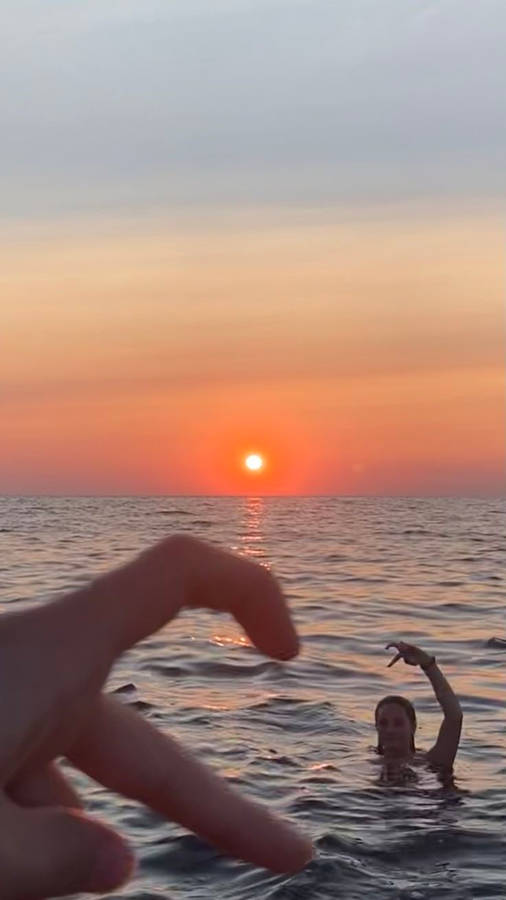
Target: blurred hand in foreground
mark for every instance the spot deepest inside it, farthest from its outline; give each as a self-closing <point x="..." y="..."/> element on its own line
<point x="54" y="661"/>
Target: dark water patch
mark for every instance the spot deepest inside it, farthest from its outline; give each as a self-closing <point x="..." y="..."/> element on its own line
<point x="198" y="720"/>
<point x="141" y="706"/>
<point x="451" y="608"/>
<point x="141" y="818"/>
<point x="309" y="804"/>
<point x="491" y="662"/>
<point x="319" y="779"/>
<point x="470" y="701"/>
<point x="346" y="878"/>
<point x="279" y="702"/>
<point x="129" y="688"/>
<point x="419" y="845"/>
<point x="282" y="761"/>
<point x="212" y="669"/>
<point x="226" y="752"/>
<point x="348" y="578"/>
<point x="172" y="512"/>
<point x="166" y="670"/>
<point x="498" y="643"/>
<point x="455" y="842"/>
<point x="318" y="608"/>
<point x="335" y="844"/>
<point x="306" y="716"/>
<point x="302" y="579"/>
<point x="322" y="878"/>
<point x="138" y="894"/>
<point x="484" y="577"/>
<point x="418" y="532"/>
<point x="184" y="854"/>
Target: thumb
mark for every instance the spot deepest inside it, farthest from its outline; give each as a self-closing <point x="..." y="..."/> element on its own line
<point x="49" y="852"/>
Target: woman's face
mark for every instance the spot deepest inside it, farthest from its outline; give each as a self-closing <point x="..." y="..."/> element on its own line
<point x="395" y="730"/>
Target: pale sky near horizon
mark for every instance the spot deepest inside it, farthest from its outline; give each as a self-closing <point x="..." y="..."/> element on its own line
<point x="252" y="225"/>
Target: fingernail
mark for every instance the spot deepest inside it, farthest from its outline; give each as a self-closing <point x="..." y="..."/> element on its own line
<point x="113" y="866"/>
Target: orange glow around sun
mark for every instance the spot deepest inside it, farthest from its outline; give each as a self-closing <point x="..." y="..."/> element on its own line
<point x="243" y="457"/>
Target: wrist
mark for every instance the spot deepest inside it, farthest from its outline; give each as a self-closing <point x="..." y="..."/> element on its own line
<point x="428" y="663"/>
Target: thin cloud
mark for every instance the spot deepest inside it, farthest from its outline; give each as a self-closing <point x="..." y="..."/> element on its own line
<point x="143" y="105"/>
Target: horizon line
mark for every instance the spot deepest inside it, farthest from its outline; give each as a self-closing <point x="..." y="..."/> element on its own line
<point x="99" y="496"/>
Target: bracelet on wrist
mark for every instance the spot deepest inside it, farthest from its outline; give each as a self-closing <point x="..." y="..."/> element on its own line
<point x="431" y="662"/>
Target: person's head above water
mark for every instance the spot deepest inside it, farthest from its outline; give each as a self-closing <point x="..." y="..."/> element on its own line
<point x="395" y="719"/>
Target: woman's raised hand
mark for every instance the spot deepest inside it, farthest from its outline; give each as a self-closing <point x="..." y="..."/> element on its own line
<point x="411" y="655"/>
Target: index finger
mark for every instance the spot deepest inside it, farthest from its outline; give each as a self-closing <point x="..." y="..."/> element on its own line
<point x="126" y="753"/>
<point x="126" y="605"/>
<point x="394" y="660"/>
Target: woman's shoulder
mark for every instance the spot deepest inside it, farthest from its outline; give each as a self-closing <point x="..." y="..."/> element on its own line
<point x="444" y="774"/>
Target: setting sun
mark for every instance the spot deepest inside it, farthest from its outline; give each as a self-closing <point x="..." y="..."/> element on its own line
<point x="254" y="462"/>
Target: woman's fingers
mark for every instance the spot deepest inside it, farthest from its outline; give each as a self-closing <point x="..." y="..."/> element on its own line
<point x="125" y="753"/>
<point x="52" y="852"/>
<point x="44" y="787"/>
<point x="394" y="660"/>
<point x="398" y="656"/>
<point x="408" y="652"/>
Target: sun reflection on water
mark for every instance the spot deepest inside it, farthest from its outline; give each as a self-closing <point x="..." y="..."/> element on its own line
<point x="252" y="535"/>
<point x="226" y="640"/>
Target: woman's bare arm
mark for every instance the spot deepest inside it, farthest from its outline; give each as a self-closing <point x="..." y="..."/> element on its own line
<point x="444" y="750"/>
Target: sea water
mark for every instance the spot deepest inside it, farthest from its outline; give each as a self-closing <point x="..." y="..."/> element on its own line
<point x="299" y="736"/>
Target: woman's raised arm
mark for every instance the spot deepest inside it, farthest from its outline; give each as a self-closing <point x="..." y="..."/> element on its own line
<point x="444" y="750"/>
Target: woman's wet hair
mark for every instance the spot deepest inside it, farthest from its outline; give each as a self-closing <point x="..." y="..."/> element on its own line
<point x="408" y="708"/>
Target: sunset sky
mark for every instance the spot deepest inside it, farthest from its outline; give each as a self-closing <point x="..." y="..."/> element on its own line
<point x="252" y="226"/>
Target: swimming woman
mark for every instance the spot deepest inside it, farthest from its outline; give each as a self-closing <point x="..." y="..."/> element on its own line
<point x="395" y="718"/>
